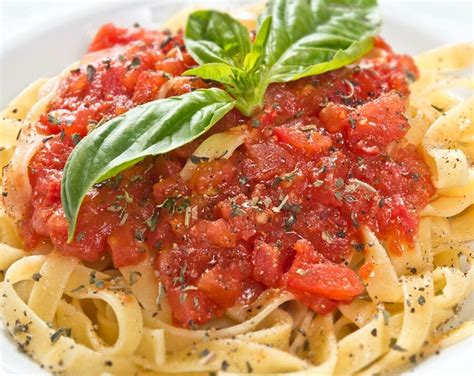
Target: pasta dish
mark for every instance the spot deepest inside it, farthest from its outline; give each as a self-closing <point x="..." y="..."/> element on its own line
<point x="275" y="193"/>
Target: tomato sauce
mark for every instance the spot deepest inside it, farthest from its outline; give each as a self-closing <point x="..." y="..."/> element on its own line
<point x="324" y="156"/>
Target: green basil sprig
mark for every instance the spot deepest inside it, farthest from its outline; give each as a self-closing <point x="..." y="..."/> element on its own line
<point x="222" y="46"/>
<point x="150" y="129"/>
<point x="295" y="39"/>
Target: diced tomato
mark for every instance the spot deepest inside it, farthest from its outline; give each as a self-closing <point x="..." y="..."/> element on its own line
<point x="267" y="159"/>
<point x="268" y="264"/>
<point x="147" y="86"/>
<point x="219" y="233"/>
<point x="127" y="245"/>
<point x="311" y="141"/>
<point x="375" y="124"/>
<point x="165" y="167"/>
<point x="175" y="66"/>
<point x="212" y="177"/>
<point x="312" y="274"/>
<point x="335" y="117"/>
<point x="88" y="245"/>
<point x="306" y="253"/>
<point x="395" y="212"/>
<point x="331" y="281"/>
<point x="223" y="287"/>
<point x="168" y="188"/>
<point x="329" y="231"/>
<point x="191" y="307"/>
<point x="318" y="304"/>
<point x="251" y="290"/>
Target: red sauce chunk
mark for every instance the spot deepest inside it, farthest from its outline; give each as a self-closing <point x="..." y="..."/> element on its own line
<point x="325" y="156"/>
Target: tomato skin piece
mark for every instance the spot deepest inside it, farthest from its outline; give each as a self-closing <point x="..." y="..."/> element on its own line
<point x="328" y="280"/>
<point x="223" y="287"/>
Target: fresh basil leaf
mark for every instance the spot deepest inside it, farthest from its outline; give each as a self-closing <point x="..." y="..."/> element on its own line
<point x="291" y="21"/>
<point x="216" y="37"/>
<point x="322" y="52"/>
<point x="150" y="129"/>
<point x="347" y="18"/>
<point x="255" y="56"/>
<point x="309" y="37"/>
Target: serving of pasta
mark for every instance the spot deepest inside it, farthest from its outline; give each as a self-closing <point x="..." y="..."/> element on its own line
<point x="195" y="260"/>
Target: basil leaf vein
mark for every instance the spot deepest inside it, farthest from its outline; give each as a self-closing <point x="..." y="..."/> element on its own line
<point x="150" y="129"/>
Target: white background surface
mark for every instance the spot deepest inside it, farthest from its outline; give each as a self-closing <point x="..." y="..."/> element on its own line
<point x="40" y="38"/>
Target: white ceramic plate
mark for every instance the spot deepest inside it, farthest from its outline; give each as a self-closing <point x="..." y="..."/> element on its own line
<point x="55" y="42"/>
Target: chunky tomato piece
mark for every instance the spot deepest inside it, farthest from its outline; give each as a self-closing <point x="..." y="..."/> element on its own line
<point x="127" y="245"/>
<point x="377" y="123"/>
<point x="267" y="159"/>
<point x="335" y="117"/>
<point x="191" y="307"/>
<point x="88" y="245"/>
<point x="306" y="254"/>
<point x="165" y="167"/>
<point x="220" y="233"/>
<point x="335" y="282"/>
<point x="167" y="189"/>
<point x="309" y="141"/>
<point x="318" y="304"/>
<point x="268" y="264"/>
<point x="212" y="177"/>
<point x="312" y="274"/>
<point x="147" y="86"/>
<point x="223" y="287"/>
<point x="174" y="66"/>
